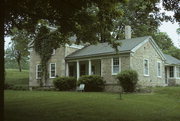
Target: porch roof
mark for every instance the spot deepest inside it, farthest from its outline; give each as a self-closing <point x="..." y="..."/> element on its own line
<point x="105" y="48"/>
<point x="171" y="60"/>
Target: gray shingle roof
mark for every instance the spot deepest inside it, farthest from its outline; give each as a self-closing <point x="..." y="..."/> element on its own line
<point x="105" y="48"/>
<point x="171" y="60"/>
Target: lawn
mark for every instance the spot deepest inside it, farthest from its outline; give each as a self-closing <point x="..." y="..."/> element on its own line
<point x="162" y="105"/>
<point x="14" y="77"/>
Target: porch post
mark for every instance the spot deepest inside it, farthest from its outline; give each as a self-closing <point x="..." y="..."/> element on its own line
<point x="77" y="69"/>
<point x="67" y="69"/>
<point x="174" y="71"/>
<point x="89" y="67"/>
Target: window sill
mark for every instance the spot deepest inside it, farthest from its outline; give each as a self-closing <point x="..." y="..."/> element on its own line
<point x="159" y="76"/>
<point x="52" y="77"/>
<point x="146" y="75"/>
<point x="114" y="74"/>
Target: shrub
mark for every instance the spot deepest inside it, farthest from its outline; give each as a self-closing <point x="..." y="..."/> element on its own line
<point x="8" y="86"/>
<point x="92" y="82"/>
<point x="20" y="87"/>
<point x="128" y="80"/>
<point x="64" y="83"/>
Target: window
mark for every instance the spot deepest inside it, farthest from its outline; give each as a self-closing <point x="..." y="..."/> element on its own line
<point x="146" y="67"/>
<point x="38" y="71"/>
<point x="52" y="70"/>
<point x="159" y="69"/>
<point x="171" y="71"/>
<point x="115" y="66"/>
<point x="178" y="72"/>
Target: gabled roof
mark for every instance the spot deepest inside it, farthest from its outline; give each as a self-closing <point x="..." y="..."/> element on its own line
<point x="128" y="45"/>
<point x="171" y="60"/>
<point x="105" y="48"/>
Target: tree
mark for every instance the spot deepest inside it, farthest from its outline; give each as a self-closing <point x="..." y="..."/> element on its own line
<point x="19" y="46"/>
<point x="70" y="16"/>
<point x="178" y="32"/>
<point x="10" y="60"/>
<point x="44" y="43"/>
<point x="173" y="51"/>
<point x="163" y="40"/>
<point x="142" y="15"/>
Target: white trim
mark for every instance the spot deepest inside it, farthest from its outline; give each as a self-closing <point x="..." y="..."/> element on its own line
<point x="53" y="52"/>
<point x="176" y="72"/>
<point x="154" y="45"/>
<point x="50" y="70"/>
<point x="159" y="62"/>
<point x="144" y="67"/>
<point x="113" y="66"/>
<point x="157" y="48"/>
<point x="37" y="71"/>
<point x="89" y="67"/>
<point x="74" y="46"/>
<point x="175" y="76"/>
<point x="139" y="45"/>
<point x="77" y="69"/>
<point x="67" y="68"/>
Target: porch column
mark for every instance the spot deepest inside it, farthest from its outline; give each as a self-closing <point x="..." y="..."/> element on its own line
<point x="67" y="69"/>
<point x="89" y="67"/>
<point x="77" y="65"/>
<point x="174" y="71"/>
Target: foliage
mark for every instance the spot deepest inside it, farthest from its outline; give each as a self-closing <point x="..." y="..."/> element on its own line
<point x="44" y="43"/>
<point x="18" y="49"/>
<point x="65" y="83"/>
<point x="128" y="80"/>
<point x="163" y="40"/>
<point x="142" y="15"/>
<point x="173" y="51"/>
<point x="92" y="82"/>
<point x="178" y="31"/>
<point x="11" y="62"/>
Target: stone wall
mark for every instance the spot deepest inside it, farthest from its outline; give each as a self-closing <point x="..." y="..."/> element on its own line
<point x="58" y="58"/>
<point x="137" y="63"/>
<point x="106" y="67"/>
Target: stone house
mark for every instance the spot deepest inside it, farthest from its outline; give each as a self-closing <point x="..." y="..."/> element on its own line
<point x="141" y="54"/>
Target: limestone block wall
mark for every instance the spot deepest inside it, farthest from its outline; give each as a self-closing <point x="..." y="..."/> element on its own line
<point x="106" y="67"/>
<point x="178" y="81"/>
<point x="58" y="58"/>
<point x="137" y="63"/>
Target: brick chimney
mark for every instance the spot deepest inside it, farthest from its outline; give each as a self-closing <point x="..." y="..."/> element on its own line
<point x="127" y="32"/>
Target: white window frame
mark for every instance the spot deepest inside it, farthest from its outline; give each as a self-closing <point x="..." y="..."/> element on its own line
<point x="50" y="76"/>
<point x="53" y="52"/>
<point x="37" y="65"/>
<point x="178" y="72"/>
<point x="159" y="74"/>
<point x="112" y="66"/>
<point x="144" y="67"/>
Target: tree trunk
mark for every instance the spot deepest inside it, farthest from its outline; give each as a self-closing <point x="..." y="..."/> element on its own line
<point x="2" y="60"/>
<point x="19" y="65"/>
<point x="19" y="61"/>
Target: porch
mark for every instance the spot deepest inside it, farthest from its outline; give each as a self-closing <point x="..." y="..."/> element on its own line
<point x="78" y="68"/>
<point x="172" y="74"/>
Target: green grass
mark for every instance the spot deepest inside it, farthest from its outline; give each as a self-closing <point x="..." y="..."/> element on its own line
<point x="13" y="76"/>
<point x="163" y="105"/>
